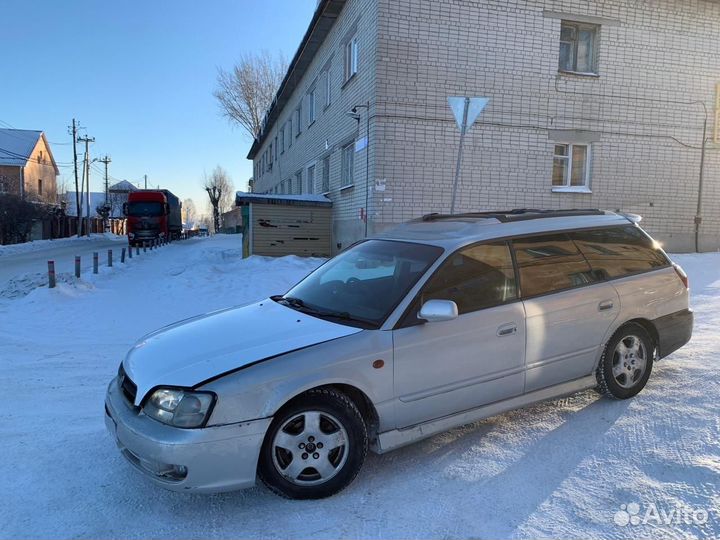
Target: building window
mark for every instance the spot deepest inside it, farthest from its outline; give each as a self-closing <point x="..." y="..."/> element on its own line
<point x="290" y="132"/>
<point x="578" y="47"/>
<point x="325" y="175"/>
<point x="40" y="186"/>
<point x="298" y="183"/>
<point x="282" y="141"/>
<point x="311" y="106"/>
<point x="276" y="147"/>
<point x="351" y="58"/>
<point x="311" y="179"/>
<point x="298" y="117"/>
<point x="348" y="162"/>
<point x="571" y="166"/>
<point x="328" y="89"/>
<point x="40" y="157"/>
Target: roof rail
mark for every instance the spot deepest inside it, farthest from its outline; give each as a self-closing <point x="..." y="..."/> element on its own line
<point x="516" y="214"/>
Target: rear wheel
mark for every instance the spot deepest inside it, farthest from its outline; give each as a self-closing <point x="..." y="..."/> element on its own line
<point x="626" y="363"/>
<point x="314" y="447"/>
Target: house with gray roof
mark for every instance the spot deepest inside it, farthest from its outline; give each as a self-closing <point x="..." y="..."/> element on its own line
<point x="27" y="166"/>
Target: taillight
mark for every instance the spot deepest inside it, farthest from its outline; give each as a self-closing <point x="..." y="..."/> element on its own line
<point x="682" y="275"/>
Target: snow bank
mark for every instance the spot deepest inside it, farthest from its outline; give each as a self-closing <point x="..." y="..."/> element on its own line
<point x="37" y="245"/>
<point x="570" y="468"/>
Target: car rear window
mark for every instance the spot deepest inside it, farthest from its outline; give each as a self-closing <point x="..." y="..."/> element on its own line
<point x="619" y="251"/>
<point x="550" y="263"/>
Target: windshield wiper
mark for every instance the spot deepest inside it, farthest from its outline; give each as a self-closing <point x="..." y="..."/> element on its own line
<point x="299" y="305"/>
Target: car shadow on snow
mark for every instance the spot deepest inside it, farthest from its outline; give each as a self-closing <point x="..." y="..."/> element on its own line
<point x="500" y="494"/>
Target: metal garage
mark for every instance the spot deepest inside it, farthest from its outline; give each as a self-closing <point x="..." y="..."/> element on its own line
<point x="277" y="225"/>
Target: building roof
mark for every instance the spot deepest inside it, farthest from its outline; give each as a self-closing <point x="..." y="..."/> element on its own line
<point x="324" y="18"/>
<point x="123" y="187"/>
<point x="299" y="200"/>
<point x="16" y="145"/>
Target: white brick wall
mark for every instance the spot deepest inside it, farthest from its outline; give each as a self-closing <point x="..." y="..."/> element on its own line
<point x="655" y="58"/>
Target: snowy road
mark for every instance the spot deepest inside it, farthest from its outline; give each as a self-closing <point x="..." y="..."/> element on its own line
<point x="17" y="262"/>
<point x="571" y="468"/>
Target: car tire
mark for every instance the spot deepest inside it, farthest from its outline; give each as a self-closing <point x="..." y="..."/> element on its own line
<point x="314" y="447"/>
<point x="626" y="363"/>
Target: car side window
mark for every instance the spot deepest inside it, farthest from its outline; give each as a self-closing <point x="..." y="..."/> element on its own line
<point x="619" y="251"/>
<point x="476" y="277"/>
<point x="550" y="263"/>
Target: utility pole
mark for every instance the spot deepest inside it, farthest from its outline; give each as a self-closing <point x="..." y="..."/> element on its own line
<point x="106" y="160"/>
<point x="77" y="187"/>
<point x="87" y="140"/>
<point x="107" y="208"/>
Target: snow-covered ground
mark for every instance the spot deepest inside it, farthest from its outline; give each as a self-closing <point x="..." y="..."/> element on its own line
<point x="23" y="267"/>
<point x="570" y="468"/>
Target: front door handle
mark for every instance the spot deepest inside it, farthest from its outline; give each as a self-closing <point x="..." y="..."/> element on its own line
<point x="605" y="305"/>
<point x="507" y="330"/>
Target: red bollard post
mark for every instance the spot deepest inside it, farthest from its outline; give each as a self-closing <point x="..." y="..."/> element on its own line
<point x="51" y="274"/>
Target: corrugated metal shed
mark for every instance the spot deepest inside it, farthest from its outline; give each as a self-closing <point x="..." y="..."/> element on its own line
<point x="277" y="225"/>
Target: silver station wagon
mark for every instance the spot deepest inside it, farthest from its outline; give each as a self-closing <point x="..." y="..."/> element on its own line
<point x="440" y="322"/>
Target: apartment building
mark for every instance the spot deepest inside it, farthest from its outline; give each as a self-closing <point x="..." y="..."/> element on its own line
<point x="600" y="104"/>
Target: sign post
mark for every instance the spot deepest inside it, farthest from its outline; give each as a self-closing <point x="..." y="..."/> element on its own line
<point x="466" y="110"/>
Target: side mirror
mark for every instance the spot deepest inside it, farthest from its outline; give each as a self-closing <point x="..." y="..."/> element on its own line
<point x="438" y="311"/>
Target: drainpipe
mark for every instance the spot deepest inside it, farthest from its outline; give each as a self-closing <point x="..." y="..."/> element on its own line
<point x="698" y="214"/>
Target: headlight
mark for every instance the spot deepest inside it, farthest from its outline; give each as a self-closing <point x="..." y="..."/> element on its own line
<point x="179" y="408"/>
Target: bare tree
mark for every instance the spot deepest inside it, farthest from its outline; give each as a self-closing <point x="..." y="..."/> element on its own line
<point x="246" y="92"/>
<point x="189" y="212"/>
<point x="219" y="188"/>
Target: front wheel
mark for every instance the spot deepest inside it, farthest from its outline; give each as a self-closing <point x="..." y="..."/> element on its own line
<point x="626" y="363"/>
<point x="314" y="447"/>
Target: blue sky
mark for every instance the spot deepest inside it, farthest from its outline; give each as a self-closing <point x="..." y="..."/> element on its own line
<point x="139" y="76"/>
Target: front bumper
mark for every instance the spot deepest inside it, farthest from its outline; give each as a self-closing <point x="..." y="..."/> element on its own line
<point x="210" y="459"/>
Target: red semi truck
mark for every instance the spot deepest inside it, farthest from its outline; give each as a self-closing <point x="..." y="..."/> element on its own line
<point x="152" y="214"/>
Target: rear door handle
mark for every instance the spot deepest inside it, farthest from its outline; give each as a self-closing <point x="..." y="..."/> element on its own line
<point x="605" y="305"/>
<point x="507" y="330"/>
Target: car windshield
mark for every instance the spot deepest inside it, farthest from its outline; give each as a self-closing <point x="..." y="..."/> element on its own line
<point x="362" y="285"/>
<point x="144" y="208"/>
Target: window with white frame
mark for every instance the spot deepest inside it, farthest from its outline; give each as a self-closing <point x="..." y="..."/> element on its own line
<point x="290" y="132"/>
<point x="282" y="140"/>
<point x="578" y="47"/>
<point x="351" y="58"/>
<point x="325" y="176"/>
<point x="348" y="163"/>
<point x="571" y="166"/>
<point x="311" y="106"/>
<point x="311" y="179"/>
<point x="298" y="183"/>
<point x="298" y="120"/>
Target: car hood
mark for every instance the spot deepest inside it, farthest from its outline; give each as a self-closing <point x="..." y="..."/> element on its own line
<point x="195" y="350"/>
